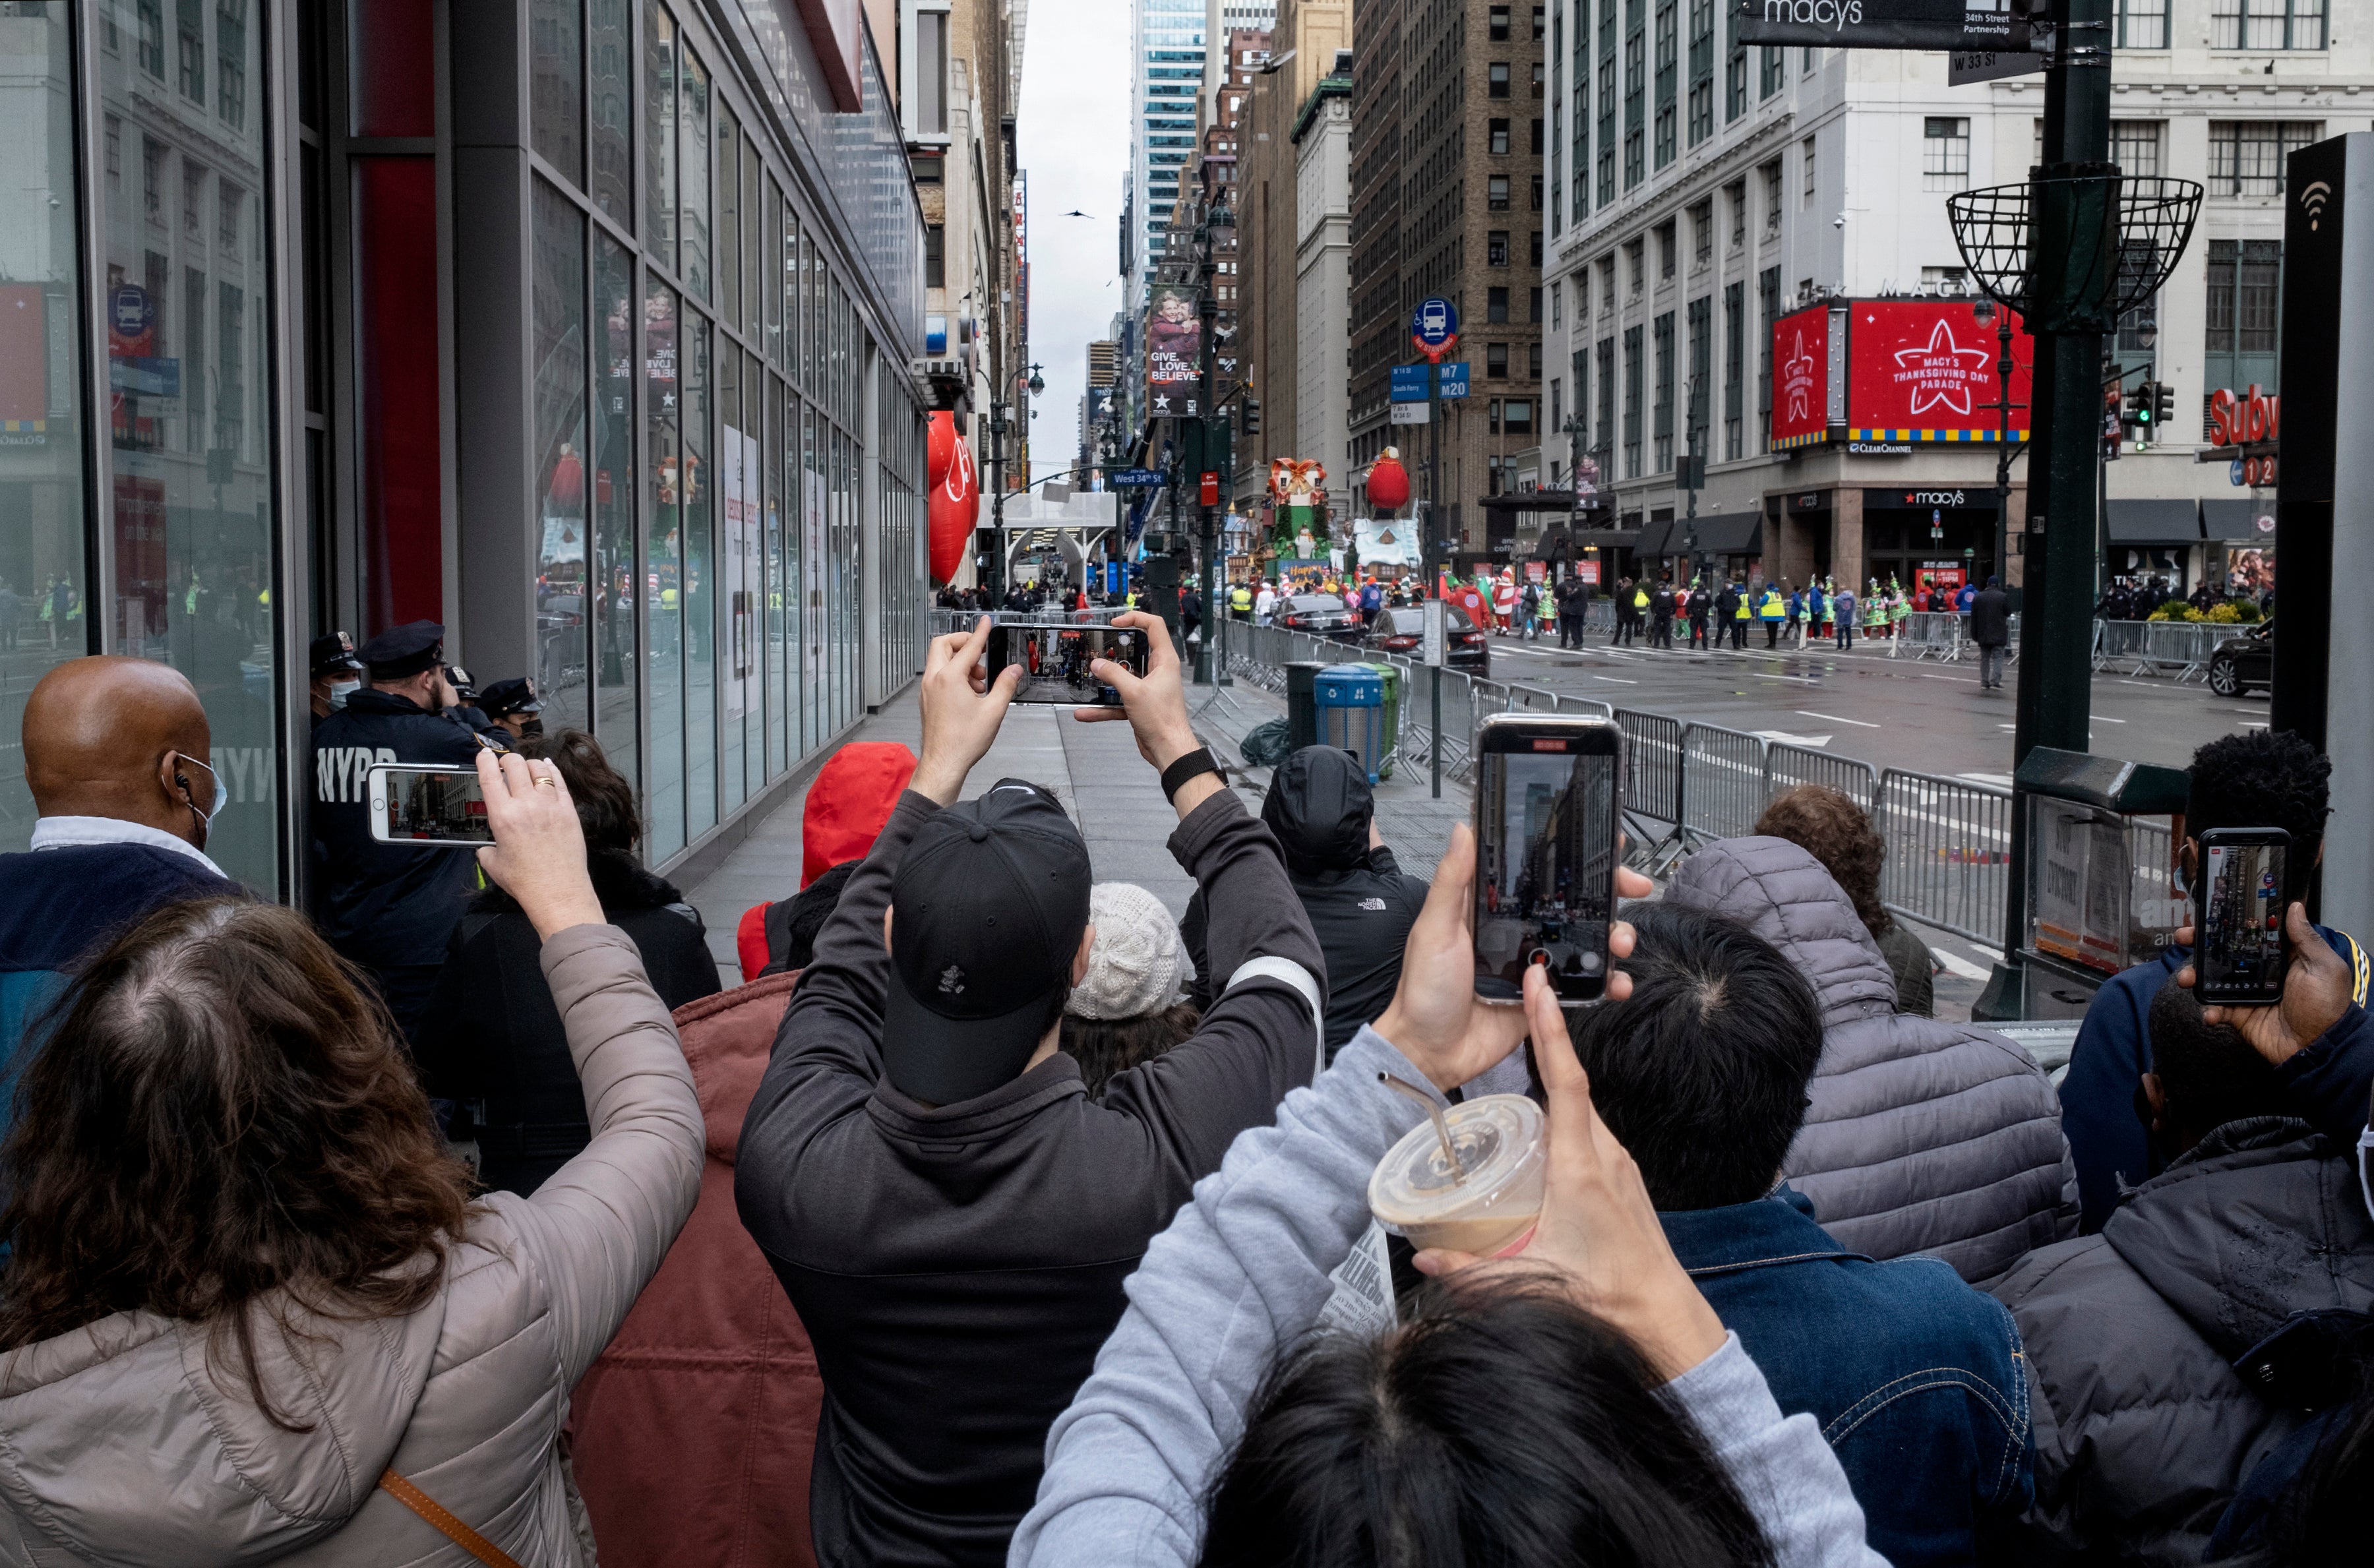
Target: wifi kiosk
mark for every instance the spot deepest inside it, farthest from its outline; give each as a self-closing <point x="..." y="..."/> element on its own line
<point x="2324" y="508"/>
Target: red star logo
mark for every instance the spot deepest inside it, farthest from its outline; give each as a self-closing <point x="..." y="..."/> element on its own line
<point x="1937" y="372"/>
<point x="1797" y="378"/>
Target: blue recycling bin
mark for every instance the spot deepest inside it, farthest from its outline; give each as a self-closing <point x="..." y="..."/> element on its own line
<point x="1350" y="699"/>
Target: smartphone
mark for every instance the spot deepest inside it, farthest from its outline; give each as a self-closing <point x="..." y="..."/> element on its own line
<point x="432" y="806"/>
<point x="1546" y="853"/>
<point x="2241" y="951"/>
<point x="1056" y="660"/>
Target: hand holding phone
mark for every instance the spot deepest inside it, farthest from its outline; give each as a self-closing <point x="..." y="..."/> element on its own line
<point x="1547" y="848"/>
<point x="2243" y="882"/>
<point x="2317" y="989"/>
<point x="1059" y="662"/>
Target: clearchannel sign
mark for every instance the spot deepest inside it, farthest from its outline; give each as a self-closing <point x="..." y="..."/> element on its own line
<point x="1996" y="25"/>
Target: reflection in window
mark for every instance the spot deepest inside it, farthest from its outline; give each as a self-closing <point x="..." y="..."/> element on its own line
<point x="558" y="326"/>
<point x="191" y="512"/>
<point x="736" y="480"/>
<point x="41" y="502"/>
<point x="611" y="100"/>
<point x="613" y="502"/>
<point x="692" y="172"/>
<point x="557" y="85"/>
<point x="658" y="135"/>
<point x="699" y="696"/>
<point x="662" y="585"/>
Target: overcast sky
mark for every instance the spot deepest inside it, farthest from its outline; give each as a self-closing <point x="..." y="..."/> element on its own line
<point x="1073" y="127"/>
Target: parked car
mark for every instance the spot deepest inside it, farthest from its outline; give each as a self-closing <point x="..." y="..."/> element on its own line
<point x="2241" y="663"/>
<point x="1402" y="632"/>
<point x="1320" y="614"/>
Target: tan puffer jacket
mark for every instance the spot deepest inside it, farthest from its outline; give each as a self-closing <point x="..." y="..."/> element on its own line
<point x="119" y="1447"/>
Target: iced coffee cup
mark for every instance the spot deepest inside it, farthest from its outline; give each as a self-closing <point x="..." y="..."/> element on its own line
<point x="1482" y="1196"/>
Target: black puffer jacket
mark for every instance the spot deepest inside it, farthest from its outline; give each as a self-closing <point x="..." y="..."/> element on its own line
<point x="2143" y="1429"/>
<point x="1360" y="903"/>
<point x="491" y="1040"/>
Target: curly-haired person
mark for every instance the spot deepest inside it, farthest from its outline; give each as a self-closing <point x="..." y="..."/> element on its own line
<point x="2257" y="778"/>
<point x="1836" y="832"/>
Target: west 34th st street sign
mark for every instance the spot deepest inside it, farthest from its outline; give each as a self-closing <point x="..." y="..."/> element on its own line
<point x="1885" y="24"/>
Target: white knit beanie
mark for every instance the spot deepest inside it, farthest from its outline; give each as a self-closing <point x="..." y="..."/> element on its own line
<point x="1135" y="962"/>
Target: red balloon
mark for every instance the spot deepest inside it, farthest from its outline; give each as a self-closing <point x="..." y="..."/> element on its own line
<point x="955" y="506"/>
<point x="1388" y="483"/>
<point x="940" y="447"/>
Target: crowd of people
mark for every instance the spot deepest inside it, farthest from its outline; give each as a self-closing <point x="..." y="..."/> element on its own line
<point x="996" y="1217"/>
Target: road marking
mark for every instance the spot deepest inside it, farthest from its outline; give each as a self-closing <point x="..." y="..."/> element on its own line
<point x="1616" y="679"/>
<point x="1991" y="955"/>
<point x="2000" y="781"/>
<point x="1956" y="679"/>
<point x="1959" y="965"/>
<point x="2106" y="718"/>
<point x="1810" y="743"/>
<point x="1806" y="679"/>
<point x="1834" y="718"/>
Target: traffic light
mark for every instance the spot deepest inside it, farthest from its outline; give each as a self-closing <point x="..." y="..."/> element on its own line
<point x="1252" y="416"/>
<point x="2163" y="404"/>
<point x="2146" y="407"/>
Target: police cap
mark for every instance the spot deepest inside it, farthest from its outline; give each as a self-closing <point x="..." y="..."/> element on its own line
<point x="333" y="651"/>
<point x="506" y="697"/>
<point x="404" y="650"/>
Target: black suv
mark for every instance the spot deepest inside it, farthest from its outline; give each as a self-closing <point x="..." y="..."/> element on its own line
<point x="2244" y="661"/>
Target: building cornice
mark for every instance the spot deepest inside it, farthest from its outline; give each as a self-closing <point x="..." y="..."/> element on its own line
<point x="1329" y="87"/>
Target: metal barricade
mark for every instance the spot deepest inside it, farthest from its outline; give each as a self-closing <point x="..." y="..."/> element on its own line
<point x="1930" y="634"/>
<point x="1786" y="766"/>
<point x="2182" y="647"/>
<point x="1949" y="861"/>
<point x="1532" y="699"/>
<point x="1652" y="788"/>
<point x="1588" y="706"/>
<point x="2118" y="645"/>
<point x="1722" y="782"/>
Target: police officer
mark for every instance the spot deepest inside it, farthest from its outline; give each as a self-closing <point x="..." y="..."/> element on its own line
<point x="336" y="672"/>
<point x="514" y="706"/>
<point x="390" y="907"/>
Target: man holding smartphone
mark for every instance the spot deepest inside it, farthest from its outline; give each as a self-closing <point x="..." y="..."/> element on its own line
<point x="390" y="907"/>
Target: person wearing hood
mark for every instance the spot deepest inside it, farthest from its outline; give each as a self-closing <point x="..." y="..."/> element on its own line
<point x="1360" y="902"/>
<point x="851" y="796"/>
<point x="2145" y="1429"/>
<point x="491" y="1043"/>
<point x="1920" y="1136"/>
<point x="250" y="1312"/>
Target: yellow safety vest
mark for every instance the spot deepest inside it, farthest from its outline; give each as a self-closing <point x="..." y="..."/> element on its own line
<point x="1241" y="598"/>
<point x="1742" y="613"/>
<point x="1771" y="609"/>
<point x="1639" y="599"/>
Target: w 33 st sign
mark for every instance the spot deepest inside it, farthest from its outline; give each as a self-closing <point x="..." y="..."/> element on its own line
<point x="1996" y="25"/>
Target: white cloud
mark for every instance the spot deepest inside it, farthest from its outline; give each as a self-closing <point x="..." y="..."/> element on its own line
<point x="1072" y="124"/>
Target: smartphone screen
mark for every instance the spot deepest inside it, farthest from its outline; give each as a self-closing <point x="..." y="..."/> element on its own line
<point x="1545" y="837"/>
<point x="428" y="806"/>
<point x="2243" y="951"/>
<point x="1056" y="660"/>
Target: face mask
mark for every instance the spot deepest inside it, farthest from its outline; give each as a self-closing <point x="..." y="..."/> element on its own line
<point x="530" y="727"/>
<point x="222" y="796"/>
<point x="340" y="691"/>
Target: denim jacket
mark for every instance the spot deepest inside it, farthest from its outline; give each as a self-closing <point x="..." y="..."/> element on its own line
<point x="1915" y="1377"/>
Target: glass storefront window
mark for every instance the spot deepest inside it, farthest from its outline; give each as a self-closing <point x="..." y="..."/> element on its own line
<point x="190" y="524"/>
<point x="614" y="640"/>
<point x="783" y="600"/>
<point x="659" y="134"/>
<point x="42" y="579"/>
<point x="730" y="153"/>
<point x="777" y="278"/>
<point x="736" y="478"/>
<point x="664" y="574"/>
<point x="610" y="97"/>
<point x="699" y="696"/>
<point x="692" y="172"/>
<point x="559" y="380"/>
<point x="557" y="85"/>
<point x="812" y="629"/>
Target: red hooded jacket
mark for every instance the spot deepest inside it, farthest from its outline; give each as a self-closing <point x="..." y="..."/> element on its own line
<point x="852" y="796"/>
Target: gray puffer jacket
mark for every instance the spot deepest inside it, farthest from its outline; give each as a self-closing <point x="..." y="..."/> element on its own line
<point x="2142" y="1428"/>
<point x="1922" y="1136"/>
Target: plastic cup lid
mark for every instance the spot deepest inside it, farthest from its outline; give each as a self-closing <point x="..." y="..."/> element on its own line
<point x="1499" y="1138"/>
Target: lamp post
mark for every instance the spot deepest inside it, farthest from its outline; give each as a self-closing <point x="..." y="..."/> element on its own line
<point x="1216" y="219"/>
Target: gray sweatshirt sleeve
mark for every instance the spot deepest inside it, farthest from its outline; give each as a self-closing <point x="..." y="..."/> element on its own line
<point x="1243" y="1272"/>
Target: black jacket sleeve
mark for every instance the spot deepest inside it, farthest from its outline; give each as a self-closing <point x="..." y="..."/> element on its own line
<point x="2333" y="1078"/>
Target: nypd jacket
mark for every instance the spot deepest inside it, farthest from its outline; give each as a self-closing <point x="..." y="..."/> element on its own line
<point x="385" y="903"/>
<point x="957" y="1267"/>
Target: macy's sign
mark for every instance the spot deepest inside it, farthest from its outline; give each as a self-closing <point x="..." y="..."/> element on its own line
<point x="2246" y="420"/>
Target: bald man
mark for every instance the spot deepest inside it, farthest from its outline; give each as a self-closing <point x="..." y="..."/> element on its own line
<point x="115" y="754"/>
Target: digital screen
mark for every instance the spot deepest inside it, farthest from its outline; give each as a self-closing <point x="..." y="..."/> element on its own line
<point x="437" y="807"/>
<point x="1056" y="660"/>
<point x="2243" y="920"/>
<point x="1546" y="870"/>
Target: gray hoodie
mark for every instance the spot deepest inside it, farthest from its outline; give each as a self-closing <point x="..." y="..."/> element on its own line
<point x="1922" y="1136"/>
<point x="1243" y="1272"/>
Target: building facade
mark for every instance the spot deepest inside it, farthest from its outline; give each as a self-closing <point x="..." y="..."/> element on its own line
<point x="647" y="436"/>
<point x="1448" y="121"/>
<point x="1703" y="189"/>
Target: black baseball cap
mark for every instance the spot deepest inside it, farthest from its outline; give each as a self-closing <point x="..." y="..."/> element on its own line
<point x="331" y="651"/>
<point x="405" y="650"/>
<point x="514" y="696"/>
<point x="987" y="908"/>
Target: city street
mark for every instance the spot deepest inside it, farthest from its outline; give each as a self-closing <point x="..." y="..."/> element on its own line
<point x="1891" y="712"/>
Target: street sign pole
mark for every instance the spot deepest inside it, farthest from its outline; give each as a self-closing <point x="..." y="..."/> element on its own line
<point x="1433" y="485"/>
<point x="1434" y="632"/>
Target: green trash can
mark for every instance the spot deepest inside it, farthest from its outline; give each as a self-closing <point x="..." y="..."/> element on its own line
<point x="1392" y="677"/>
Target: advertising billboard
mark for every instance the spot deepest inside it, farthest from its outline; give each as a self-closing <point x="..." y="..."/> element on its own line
<point x="1924" y="371"/>
<point x="1964" y="25"/>
<point x="1174" y="349"/>
<point x="1801" y="379"/>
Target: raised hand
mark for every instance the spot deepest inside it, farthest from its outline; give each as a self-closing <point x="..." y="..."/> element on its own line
<point x="2317" y="988"/>
<point x="962" y="709"/>
<point x="538" y="855"/>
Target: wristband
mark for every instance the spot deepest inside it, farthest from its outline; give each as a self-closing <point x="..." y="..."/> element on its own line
<point x="1193" y="765"/>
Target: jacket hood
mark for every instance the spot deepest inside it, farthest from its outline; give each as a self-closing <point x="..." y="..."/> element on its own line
<point x="1783" y="894"/>
<point x="727" y="1038"/>
<point x="1319" y="804"/>
<point x="126" y="1445"/>
<point x="2260" y="1220"/>
<point x="853" y="795"/>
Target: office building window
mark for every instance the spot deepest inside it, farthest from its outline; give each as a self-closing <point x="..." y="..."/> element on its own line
<point x="1603" y="432"/>
<point x="2143" y="24"/>
<point x="1669" y="77"/>
<point x="2247" y="157"/>
<point x="1662" y="330"/>
<point x="2244" y="295"/>
<point x="1539" y="11"/>
<point x="1497" y="136"/>
<point x="1495" y="78"/>
<point x="1702" y="232"/>
<point x="2266" y="24"/>
<point x="1632" y="379"/>
<point x="1496" y="193"/>
<point x="1536" y="239"/>
<point x="1771" y="71"/>
<point x="1668" y="247"/>
<point x="1517" y="416"/>
<point x="1496" y="303"/>
<point x="1635" y="91"/>
<point x="2134" y="145"/>
<point x="1812" y="169"/>
<point x="1945" y="153"/>
<point x="1535" y="188"/>
<point x="190" y="40"/>
<point x="1734" y="371"/>
<point x="1496" y="248"/>
<point x="1495" y="22"/>
<point x="1496" y="359"/>
<point x="1767" y="303"/>
<point x="1538" y="140"/>
<point x="935" y="271"/>
<point x="1772" y="197"/>
<point x="1534" y="359"/>
<point x="1737" y="193"/>
<point x="1735" y="70"/>
<point x="1702" y="70"/>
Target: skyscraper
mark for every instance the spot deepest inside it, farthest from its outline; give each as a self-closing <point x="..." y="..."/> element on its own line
<point x="1170" y="72"/>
